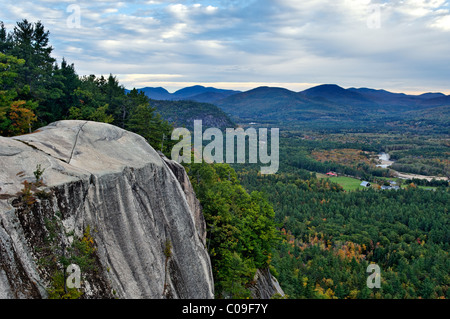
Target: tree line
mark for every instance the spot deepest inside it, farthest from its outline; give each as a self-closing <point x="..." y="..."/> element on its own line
<point x="35" y="90"/>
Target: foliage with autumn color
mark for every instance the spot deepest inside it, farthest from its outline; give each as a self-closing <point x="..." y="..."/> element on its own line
<point x="330" y="236"/>
<point x="35" y="90"/>
<point x="21" y="117"/>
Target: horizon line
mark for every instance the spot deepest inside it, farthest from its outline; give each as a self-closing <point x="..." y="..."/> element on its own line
<point x="172" y="87"/>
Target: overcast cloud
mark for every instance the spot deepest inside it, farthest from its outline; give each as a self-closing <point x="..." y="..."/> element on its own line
<point x="396" y="45"/>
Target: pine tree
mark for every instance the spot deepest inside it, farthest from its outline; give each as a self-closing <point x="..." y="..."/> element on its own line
<point x="5" y="39"/>
<point x="145" y="122"/>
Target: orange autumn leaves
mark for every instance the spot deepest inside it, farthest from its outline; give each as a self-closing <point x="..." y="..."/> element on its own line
<point x="17" y="118"/>
<point x="21" y="117"/>
<point x="16" y="115"/>
<point x="345" y="250"/>
<point x="345" y="156"/>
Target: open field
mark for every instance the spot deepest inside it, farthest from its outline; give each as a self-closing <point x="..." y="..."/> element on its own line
<point x="348" y="183"/>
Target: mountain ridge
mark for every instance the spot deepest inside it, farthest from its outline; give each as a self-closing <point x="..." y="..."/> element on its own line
<point x="196" y="93"/>
<point x="327" y="104"/>
<point x="333" y="107"/>
<point x="331" y="92"/>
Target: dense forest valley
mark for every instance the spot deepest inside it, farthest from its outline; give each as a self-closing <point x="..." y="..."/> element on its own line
<point x="333" y="228"/>
<point x="312" y="223"/>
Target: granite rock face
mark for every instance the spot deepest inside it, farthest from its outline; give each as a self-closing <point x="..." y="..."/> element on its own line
<point x="146" y="224"/>
<point x="266" y="286"/>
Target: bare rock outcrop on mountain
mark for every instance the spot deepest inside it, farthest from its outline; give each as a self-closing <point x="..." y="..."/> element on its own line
<point x="134" y="211"/>
<point x="266" y="286"/>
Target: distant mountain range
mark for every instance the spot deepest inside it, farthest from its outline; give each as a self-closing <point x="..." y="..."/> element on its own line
<point x="327" y="103"/>
<point x="326" y="94"/>
<point x="332" y="107"/>
<point x="196" y="93"/>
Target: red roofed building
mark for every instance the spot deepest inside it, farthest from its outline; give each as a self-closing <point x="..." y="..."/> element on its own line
<point x="331" y="174"/>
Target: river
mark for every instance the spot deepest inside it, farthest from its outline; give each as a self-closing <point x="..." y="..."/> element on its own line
<point x="385" y="161"/>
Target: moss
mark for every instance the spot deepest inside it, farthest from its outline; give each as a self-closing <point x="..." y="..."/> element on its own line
<point x="168" y="248"/>
<point x="56" y="258"/>
<point x="167" y="254"/>
<point x="82" y="252"/>
<point x="58" y="289"/>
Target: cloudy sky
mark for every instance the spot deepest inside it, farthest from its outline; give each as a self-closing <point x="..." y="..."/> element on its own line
<point x="402" y="46"/>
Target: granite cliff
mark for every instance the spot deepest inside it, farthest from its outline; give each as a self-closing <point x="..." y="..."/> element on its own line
<point x="133" y="212"/>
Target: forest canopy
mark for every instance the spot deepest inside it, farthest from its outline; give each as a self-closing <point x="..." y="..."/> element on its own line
<point x="35" y="90"/>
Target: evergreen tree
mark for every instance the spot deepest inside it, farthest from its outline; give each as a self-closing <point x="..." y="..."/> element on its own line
<point x="145" y="122"/>
<point x="31" y="43"/>
<point x="5" y="39"/>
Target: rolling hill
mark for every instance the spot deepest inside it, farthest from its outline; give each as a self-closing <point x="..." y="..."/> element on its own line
<point x="183" y="114"/>
<point x="196" y="93"/>
<point x="158" y="93"/>
<point x="333" y="93"/>
<point x="274" y="104"/>
<point x="401" y="101"/>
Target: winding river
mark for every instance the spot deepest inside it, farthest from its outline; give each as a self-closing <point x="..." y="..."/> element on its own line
<point x="385" y="161"/>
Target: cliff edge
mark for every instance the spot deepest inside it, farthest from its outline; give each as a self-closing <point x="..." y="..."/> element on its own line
<point x="94" y="194"/>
